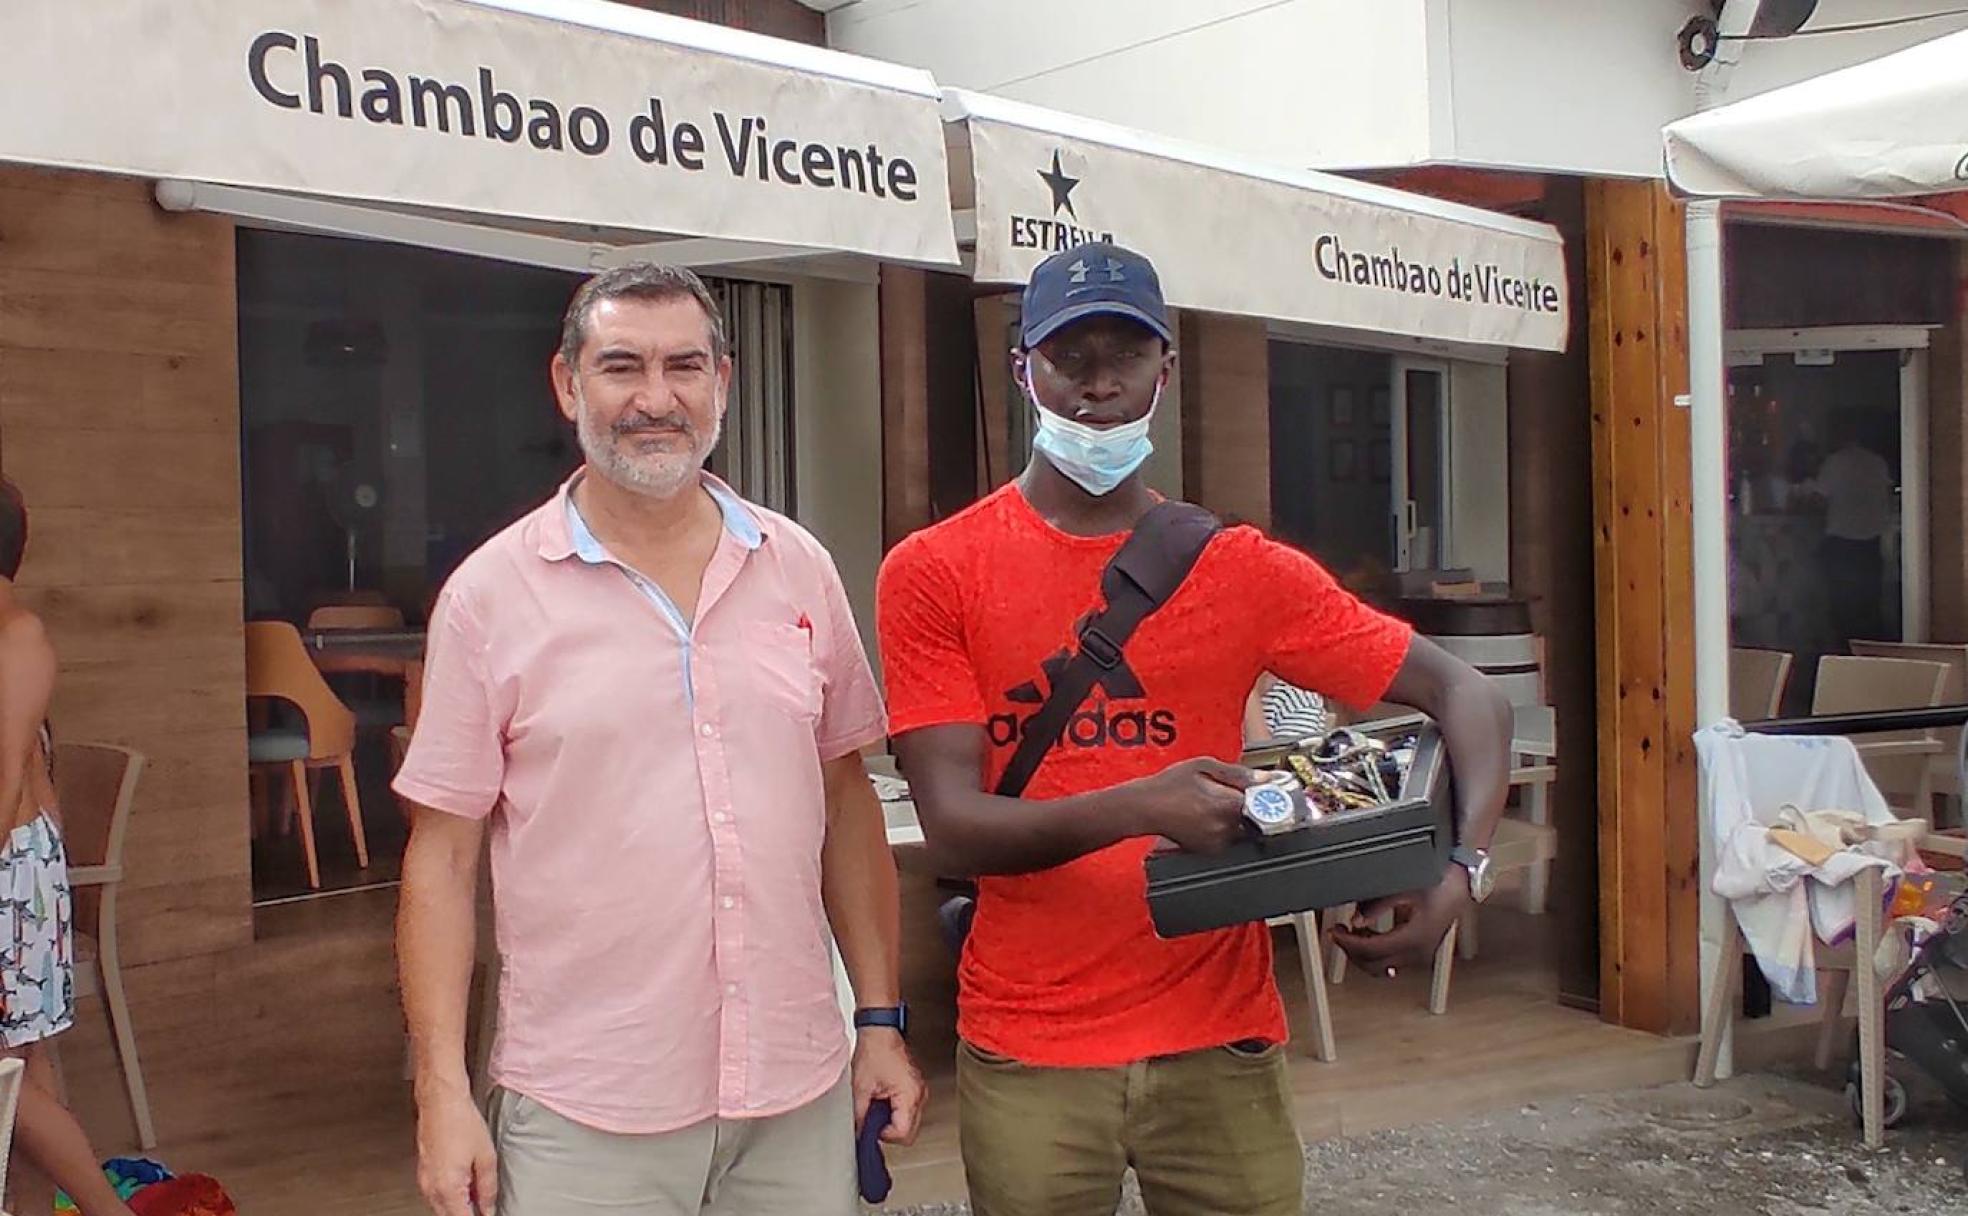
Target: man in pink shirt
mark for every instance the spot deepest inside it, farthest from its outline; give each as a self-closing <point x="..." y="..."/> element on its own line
<point x="654" y="696"/>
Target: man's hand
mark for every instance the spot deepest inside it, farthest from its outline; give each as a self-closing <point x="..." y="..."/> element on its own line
<point x="1199" y="804"/>
<point x="456" y="1168"/>
<point x="1420" y="920"/>
<point x="883" y="1069"/>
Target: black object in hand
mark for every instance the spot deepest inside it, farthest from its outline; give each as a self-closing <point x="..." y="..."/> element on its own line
<point x="868" y="1160"/>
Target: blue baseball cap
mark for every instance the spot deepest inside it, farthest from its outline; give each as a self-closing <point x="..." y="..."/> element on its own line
<point x="1096" y="279"/>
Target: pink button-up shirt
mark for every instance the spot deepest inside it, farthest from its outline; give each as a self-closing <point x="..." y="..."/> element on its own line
<point x="657" y="812"/>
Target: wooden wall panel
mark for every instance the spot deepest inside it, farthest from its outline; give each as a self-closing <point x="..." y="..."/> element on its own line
<point x="1551" y="560"/>
<point x="1226" y="416"/>
<point x="1636" y="271"/>
<point x="119" y="418"/>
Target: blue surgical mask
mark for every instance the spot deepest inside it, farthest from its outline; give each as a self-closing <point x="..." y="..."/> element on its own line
<point x="1097" y="459"/>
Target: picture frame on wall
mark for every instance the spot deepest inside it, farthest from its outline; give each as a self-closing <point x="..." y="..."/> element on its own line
<point x="1343" y="460"/>
<point x="1339" y="408"/>
<point x="1380" y="406"/>
<point x="1380" y="461"/>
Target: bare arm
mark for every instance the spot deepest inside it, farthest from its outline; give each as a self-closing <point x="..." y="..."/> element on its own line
<point x="859" y="886"/>
<point x="1476" y="725"/>
<point x="969" y="832"/>
<point x="27" y="682"/>
<point x="436" y="943"/>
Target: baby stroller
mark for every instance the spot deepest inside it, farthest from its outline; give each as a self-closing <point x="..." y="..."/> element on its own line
<point x="1927" y="1016"/>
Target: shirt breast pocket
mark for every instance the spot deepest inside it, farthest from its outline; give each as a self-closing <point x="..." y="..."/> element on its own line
<point x="780" y="673"/>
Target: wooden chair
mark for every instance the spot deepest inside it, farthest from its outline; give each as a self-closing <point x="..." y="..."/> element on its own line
<point x="1955" y="656"/>
<point x="1757" y="679"/>
<point x="361" y="596"/>
<point x="355" y="616"/>
<point x="372" y="694"/>
<point x="95" y="787"/>
<point x="1900" y="763"/>
<point x="278" y="668"/>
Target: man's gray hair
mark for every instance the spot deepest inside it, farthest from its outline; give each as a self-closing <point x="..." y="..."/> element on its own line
<point x="638" y="281"/>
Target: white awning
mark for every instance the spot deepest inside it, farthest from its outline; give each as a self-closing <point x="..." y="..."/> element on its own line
<point x="1894" y="127"/>
<point x="1235" y="236"/>
<point x="575" y="114"/>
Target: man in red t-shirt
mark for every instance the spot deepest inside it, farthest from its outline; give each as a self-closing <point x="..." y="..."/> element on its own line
<point x="1089" y="1044"/>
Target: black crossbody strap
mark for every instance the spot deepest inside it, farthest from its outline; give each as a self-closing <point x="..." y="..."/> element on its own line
<point x="1153" y="562"/>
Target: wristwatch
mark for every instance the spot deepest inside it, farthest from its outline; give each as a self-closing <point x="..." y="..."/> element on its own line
<point x="1270" y="807"/>
<point x="1477" y="861"/>
<point x="893" y="1017"/>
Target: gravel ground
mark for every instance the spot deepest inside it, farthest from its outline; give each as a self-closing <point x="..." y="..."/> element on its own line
<point x="1756" y="1146"/>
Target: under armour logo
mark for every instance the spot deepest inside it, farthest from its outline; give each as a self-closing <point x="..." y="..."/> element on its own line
<point x="1115" y="272"/>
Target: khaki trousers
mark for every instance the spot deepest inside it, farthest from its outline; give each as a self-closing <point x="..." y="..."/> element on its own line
<point x="800" y="1163"/>
<point x="1208" y="1133"/>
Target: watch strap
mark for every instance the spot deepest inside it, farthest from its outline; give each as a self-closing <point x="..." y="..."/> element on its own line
<point x="892" y="1017"/>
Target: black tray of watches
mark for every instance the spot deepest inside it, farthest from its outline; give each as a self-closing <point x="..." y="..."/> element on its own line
<point x="1346" y="857"/>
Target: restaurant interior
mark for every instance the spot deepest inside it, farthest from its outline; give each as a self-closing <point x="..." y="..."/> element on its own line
<point x="395" y="412"/>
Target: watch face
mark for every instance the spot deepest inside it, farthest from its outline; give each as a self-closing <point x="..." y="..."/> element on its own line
<point x="1482" y="880"/>
<point x="1270" y="807"/>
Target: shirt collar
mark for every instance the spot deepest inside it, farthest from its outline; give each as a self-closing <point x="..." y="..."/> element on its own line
<point x="566" y="534"/>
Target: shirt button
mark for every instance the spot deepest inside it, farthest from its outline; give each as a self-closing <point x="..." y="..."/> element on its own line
<point x="731" y="990"/>
<point x="708" y="730"/>
<point x="729" y="902"/>
<point x="720" y="817"/>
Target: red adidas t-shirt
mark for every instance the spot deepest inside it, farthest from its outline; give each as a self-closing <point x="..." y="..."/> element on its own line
<point x="1063" y="968"/>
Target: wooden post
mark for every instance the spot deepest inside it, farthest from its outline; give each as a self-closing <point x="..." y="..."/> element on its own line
<point x="904" y="402"/>
<point x="1648" y="816"/>
<point x="1947" y="469"/>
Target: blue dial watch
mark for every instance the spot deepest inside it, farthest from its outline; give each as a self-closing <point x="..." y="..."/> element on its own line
<point x="894" y="1017"/>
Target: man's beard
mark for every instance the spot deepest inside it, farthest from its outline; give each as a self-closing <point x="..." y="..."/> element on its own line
<point x="659" y="474"/>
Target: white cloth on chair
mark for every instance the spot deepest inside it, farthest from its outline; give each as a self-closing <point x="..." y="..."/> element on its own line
<point x="1752" y="783"/>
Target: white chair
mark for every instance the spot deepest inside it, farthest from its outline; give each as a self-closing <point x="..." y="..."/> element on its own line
<point x="12" y="1073"/>
<point x="1308" y="927"/>
<point x="1515" y="663"/>
<point x="1838" y="967"/>
<point x="95" y="787"/>
<point x="1766" y="779"/>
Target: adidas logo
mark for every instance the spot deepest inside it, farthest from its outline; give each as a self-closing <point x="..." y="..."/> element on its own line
<point x="1098" y="723"/>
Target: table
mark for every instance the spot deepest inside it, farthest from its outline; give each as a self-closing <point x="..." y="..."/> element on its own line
<point x="385" y="650"/>
<point x="398" y="653"/>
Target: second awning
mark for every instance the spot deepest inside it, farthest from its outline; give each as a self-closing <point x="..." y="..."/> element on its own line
<point x="1237" y="237"/>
